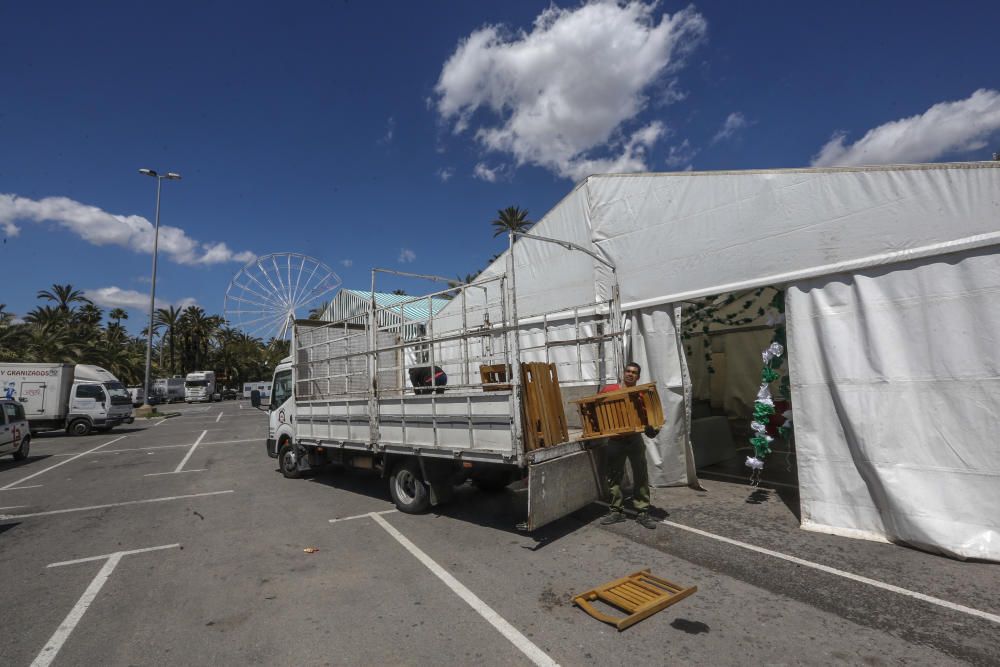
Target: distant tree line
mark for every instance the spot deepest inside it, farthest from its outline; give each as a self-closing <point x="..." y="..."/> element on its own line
<point x="67" y="327"/>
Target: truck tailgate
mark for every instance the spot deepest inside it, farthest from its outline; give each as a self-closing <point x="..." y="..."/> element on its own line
<point x="559" y="486"/>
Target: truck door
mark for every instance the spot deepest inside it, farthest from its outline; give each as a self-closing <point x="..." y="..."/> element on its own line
<point x="33" y="397"/>
<point x="89" y="399"/>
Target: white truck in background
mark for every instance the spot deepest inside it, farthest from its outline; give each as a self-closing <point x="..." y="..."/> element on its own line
<point x="199" y="386"/>
<point x="170" y="390"/>
<point x="77" y="397"/>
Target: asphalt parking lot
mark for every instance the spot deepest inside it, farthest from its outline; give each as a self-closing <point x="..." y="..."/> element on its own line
<point x="178" y="542"/>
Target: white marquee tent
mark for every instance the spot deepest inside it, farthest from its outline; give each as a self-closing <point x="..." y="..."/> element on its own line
<point x="892" y="291"/>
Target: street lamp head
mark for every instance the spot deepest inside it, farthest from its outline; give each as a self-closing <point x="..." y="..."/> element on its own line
<point x="148" y="172"/>
<point x="173" y="177"/>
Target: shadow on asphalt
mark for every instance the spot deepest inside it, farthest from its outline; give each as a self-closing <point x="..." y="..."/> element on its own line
<point x="11" y="464"/>
<point x="4" y="527"/>
<point x="760" y="495"/>
<point x="504" y="510"/>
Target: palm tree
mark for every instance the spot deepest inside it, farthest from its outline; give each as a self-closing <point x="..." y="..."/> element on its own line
<point x="512" y="218"/>
<point x="197" y="332"/>
<point x="45" y="315"/>
<point x="319" y="312"/>
<point x="169" y="318"/>
<point x="64" y="295"/>
<point x="50" y="342"/>
<point x="89" y="314"/>
<point x="118" y="314"/>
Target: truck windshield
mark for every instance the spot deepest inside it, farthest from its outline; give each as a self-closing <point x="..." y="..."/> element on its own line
<point x="196" y="383"/>
<point x="118" y="393"/>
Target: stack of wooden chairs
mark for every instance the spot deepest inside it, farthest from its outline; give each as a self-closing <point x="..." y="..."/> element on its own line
<point x="543" y="416"/>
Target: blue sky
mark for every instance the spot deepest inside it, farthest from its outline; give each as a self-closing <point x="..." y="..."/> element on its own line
<point x="389" y="133"/>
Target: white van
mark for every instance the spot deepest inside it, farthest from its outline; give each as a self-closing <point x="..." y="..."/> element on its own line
<point x="15" y="434"/>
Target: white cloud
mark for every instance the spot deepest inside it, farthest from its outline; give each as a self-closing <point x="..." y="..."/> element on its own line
<point x="406" y="256"/>
<point x="681" y="155"/>
<point x="445" y="174"/>
<point x="347" y="263"/>
<point x="947" y="127"/>
<point x="102" y="228"/>
<point x="390" y="130"/>
<point x="567" y="89"/>
<point x="116" y="297"/>
<point x="484" y="173"/>
<point x="734" y="122"/>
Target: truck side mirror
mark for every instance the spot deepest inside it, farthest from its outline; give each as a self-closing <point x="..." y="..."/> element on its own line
<point x="255" y="398"/>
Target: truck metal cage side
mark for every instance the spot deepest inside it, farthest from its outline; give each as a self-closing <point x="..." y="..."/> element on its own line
<point x="354" y="381"/>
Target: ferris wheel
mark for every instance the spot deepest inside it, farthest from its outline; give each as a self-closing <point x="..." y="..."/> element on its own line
<point x="269" y="293"/>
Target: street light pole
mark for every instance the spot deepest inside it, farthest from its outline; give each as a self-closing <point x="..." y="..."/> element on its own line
<point x="152" y="290"/>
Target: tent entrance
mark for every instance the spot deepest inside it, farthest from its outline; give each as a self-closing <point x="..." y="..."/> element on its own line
<point x="724" y="337"/>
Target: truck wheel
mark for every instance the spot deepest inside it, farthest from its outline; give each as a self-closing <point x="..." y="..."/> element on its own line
<point x="289" y="461"/>
<point x="408" y="490"/>
<point x="22" y="451"/>
<point x="79" y="427"/>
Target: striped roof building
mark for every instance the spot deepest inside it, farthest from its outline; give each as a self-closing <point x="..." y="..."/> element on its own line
<point x="352" y="305"/>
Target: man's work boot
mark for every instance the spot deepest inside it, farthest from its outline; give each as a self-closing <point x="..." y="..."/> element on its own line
<point x="613" y="517"/>
<point x="646" y="521"/>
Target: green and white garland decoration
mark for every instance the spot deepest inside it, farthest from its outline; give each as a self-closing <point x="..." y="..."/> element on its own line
<point x="763" y="407"/>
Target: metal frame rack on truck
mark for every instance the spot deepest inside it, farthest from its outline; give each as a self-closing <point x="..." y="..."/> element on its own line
<point x="491" y="408"/>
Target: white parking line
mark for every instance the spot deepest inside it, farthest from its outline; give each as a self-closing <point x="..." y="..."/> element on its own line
<point x="173" y="472"/>
<point x="190" y="452"/>
<point x="362" y="516"/>
<point x="117" y="553"/>
<point x="218" y="418"/>
<point x="513" y="635"/>
<point x="7" y="517"/>
<point x="22" y="488"/>
<point x="12" y="507"/>
<point x="25" y="479"/>
<point x="159" y="422"/>
<point x="143" y="449"/>
<point x="62" y="633"/>
<point x="841" y="573"/>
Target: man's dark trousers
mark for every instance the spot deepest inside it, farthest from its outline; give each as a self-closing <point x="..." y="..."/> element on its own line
<point x="631" y="448"/>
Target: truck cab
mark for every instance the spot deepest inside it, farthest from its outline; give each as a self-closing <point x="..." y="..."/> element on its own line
<point x="200" y="386"/>
<point x="281" y="411"/>
<point x="98" y="405"/>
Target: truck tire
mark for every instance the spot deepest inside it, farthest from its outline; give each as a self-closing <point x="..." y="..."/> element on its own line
<point x="79" y="427"/>
<point x="22" y="451"/>
<point x="408" y="489"/>
<point x="288" y="461"/>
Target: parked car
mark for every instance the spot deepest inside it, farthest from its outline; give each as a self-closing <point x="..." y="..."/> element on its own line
<point x="229" y="394"/>
<point x="15" y="434"/>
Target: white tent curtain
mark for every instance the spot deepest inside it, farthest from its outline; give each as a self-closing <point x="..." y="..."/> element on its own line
<point x="655" y="346"/>
<point x="896" y="386"/>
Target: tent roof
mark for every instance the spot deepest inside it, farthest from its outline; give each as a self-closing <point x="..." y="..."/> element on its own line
<point x="677" y="236"/>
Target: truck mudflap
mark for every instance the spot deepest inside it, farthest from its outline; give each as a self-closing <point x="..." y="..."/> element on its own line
<point x="560" y="486"/>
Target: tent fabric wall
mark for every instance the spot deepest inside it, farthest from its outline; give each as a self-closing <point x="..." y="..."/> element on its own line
<point x="654" y="345"/>
<point x="896" y="386"/>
